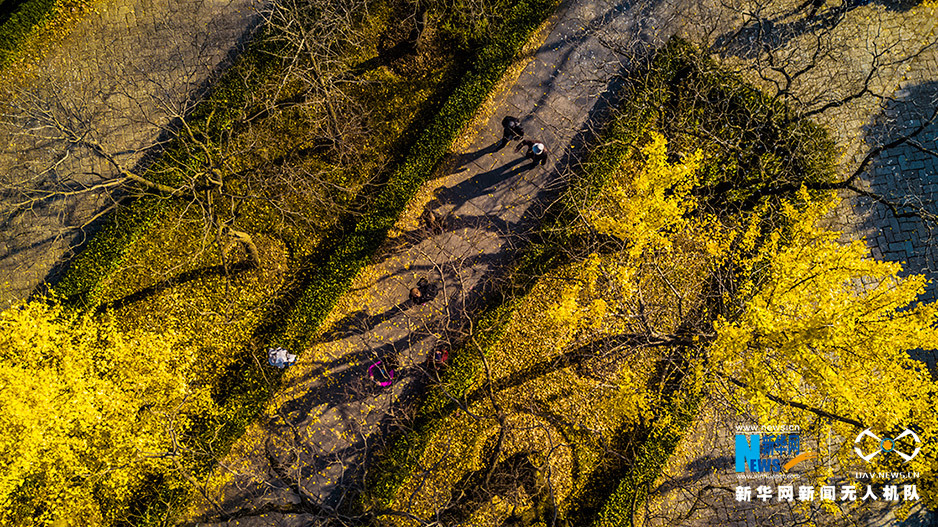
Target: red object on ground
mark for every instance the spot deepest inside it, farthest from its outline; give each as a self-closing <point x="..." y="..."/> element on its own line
<point x="390" y="374"/>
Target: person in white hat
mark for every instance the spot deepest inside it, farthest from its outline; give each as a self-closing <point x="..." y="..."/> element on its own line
<point x="536" y="152"/>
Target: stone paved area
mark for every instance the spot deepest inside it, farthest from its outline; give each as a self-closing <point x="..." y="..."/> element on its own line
<point x="128" y="67"/>
<point x="314" y="436"/>
<point x="906" y="175"/>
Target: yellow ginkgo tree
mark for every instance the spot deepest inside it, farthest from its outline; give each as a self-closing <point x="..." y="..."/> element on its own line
<point x="774" y="311"/>
<point x="87" y="412"/>
<point x="829" y="317"/>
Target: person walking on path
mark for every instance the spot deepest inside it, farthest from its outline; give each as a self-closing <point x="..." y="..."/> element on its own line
<point x="415" y="295"/>
<point x="511" y="130"/>
<point x="423" y="292"/>
<point x="536" y="152"/>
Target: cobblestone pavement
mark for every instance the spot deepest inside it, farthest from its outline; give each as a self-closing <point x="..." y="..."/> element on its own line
<point x="127" y="67"/>
<point x="312" y="440"/>
<point x="906" y="175"/>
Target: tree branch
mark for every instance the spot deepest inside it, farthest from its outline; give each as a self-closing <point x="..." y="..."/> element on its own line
<point x="800" y="406"/>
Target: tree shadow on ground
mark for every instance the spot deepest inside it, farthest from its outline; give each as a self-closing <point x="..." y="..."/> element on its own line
<point x="360" y="321"/>
<point x="448" y="225"/>
<point x="754" y="37"/>
<point x="580" y="37"/>
<point x="906" y="175"/>
<point x="30" y="246"/>
<point x="697" y="470"/>
<point x="201" y="273"/>
<point x="150" y="155"/>
<point x="502" y="478"/>
<point x="436" y="224"/>
<point x="348" y="380"/>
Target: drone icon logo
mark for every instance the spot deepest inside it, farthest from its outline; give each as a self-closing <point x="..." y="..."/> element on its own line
<point x="887" y="445"/>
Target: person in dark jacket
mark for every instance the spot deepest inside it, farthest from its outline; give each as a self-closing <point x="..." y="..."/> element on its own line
<point x="416" y="296"/>
<point x="511" y="130"/>
<point x="423" y="292"/>
<point x="536" y="152"/>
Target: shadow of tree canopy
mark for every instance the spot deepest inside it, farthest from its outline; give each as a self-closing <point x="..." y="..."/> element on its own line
<point x="201" y="273"/>
<point x="479" y="487"/>
<point x="361" y="321"/>
<point x="906" y="175"/>
<point x="752" y="38"/>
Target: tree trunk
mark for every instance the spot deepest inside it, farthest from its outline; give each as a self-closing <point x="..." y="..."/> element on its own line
<point x="244" y="239"/>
